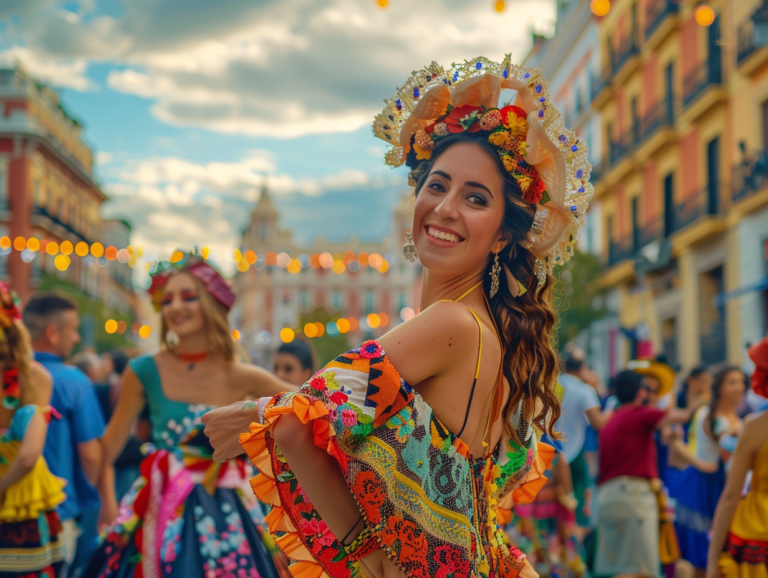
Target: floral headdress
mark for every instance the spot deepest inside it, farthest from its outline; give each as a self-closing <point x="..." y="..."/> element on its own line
<point x="10" y="313"/>
<point x="546" y="159"/>
<point x="196" y="265"/>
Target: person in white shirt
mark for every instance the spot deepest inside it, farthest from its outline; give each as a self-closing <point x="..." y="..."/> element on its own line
<point x="580" y="407"/>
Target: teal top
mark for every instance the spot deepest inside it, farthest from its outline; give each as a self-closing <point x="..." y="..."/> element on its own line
<point x="172" y="421"/>
<point x="19" y="423"/>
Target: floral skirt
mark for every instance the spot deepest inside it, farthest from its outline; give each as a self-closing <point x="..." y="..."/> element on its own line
<point x="171" y="526"/>
<point x="31" y="548"/>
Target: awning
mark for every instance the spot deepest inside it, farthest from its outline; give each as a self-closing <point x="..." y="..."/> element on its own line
<point x="726" y="296"/>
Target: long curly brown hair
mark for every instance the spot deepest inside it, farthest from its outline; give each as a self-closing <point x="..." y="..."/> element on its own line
<point x="526" y="323"/>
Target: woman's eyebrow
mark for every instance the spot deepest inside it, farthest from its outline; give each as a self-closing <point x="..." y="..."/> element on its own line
<point x="442" y="174"/>
<point x="479" y="185"/>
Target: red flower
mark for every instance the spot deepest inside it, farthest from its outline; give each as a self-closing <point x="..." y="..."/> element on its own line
<point x="462" y="116"/>
<point x="451" y="561"/>
<point x="535" y="191"/>
<point x="318" y="383"/>
<point x="519" y="112"/>
<point x="372" y="495"/>
<point x="339" y="397"/>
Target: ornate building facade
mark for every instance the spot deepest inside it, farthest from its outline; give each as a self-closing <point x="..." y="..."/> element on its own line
<point x="47" y="189"/>
<point x="273" y="296"/>
<point x="682" y="180"/>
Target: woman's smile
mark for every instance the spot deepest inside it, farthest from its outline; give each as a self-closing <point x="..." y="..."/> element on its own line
<point x="442" y="236"/>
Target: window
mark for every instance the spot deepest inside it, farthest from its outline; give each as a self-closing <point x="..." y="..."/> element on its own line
<point x="713" y="175"/>
<point x="3" y="188"/>
<point x="36" y="192"/>
<point x="336" y="300"/>
<point x="402" y="300"/>
<point x="669" y="88"/>
<point x="635" y="223"/>
<point x="370" y="301"/>
<point x="669" y="204"/>
<point x="712" y="317"/>
<point x="264" y="230"/>
<point x="633" y="110"/>
<point x="304" y="300"/>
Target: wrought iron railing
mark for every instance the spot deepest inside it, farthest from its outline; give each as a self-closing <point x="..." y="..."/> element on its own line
<point x="752" y="34"/>
<point x="618" y="149"/>
<point x="707" y="74"/>
<point x="656" y="12"/>
<point x="628" y="48"/>
<point x="694" y="207"/>
<point x="649" y="232"/>
<point x="599" y="83"/>
<point x="750" y="175"/>
<point x="619" y="251"/>
<point x="660" y="114"/>
<point x="38" y="210"/>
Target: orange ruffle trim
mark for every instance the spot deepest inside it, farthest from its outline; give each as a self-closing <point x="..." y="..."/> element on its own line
<point x="265" y="487"/>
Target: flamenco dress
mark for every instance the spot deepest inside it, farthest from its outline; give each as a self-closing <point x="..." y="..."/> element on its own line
<point x="30" y="529"/>
<point x="186" y="515"/>
<point x="698" y="492"/>
<point x="746" y="551"/>
<point x="434" y="509"/>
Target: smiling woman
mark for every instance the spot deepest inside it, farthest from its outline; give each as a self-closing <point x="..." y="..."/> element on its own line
<point x="404" y="457"/>
<point x="182" y="497"/>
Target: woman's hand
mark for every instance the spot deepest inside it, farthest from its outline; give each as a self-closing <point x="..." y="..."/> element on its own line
<point x="224" y="425"/>
<point x="528" y="571"/>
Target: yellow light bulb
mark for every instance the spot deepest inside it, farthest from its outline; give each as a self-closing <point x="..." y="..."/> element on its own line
<point x="287" y="334"/>
<point x="704" y="15"/>
<point x="600" y="7"/>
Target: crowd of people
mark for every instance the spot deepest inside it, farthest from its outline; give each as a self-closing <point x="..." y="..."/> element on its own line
<point x="649" y="461"/>
<point x="455" y="445"/>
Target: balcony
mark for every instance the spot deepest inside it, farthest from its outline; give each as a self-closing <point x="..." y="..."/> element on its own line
<point x="624" y="54"/>
<point x="660" y="115"/>
<point x="707" y="74"/>
<point x="56" y="225"/>
<point x="713" y="343"/>
<point x="655" y="14"/>
<point x="752" y="41"/>
<point x="702" y="90"/>
<point x="648" y="233"/>
<point x="619" y="251"/>
<point x="600" y="89"/>
<point x="750" y="176"/>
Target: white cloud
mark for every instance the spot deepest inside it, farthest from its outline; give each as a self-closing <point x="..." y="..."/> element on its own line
<point x="60" y="73"/>
<point x="279" y="68"/>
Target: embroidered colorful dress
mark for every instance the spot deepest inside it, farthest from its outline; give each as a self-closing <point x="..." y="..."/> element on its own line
<point x="30" y="528"/>
<point x="186" y="516"/>
<point x="434" y="509"/>
<point x="746" y="551"/>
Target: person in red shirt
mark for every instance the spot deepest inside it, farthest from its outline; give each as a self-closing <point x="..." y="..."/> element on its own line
<point x="628" y="517"/>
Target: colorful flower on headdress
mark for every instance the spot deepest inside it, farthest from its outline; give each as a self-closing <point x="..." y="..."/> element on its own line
<point x="490" y="120"/>
<point x="438" y="129"/>
<point x="498" y="138"/>
<point x="195" y="265"/>
<point x="10" y="306"/>
<point x="535" y="192"/>
<point x="464" y="118"/>
<point x="11" y="391"/>
<point x="423" y="145"/>
<point x="514" y="118"/>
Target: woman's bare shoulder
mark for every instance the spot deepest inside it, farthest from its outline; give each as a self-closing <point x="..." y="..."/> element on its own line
<point x="432" y="342"/>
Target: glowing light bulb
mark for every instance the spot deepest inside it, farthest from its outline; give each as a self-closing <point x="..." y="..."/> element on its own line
<point x="600" y="7"/>
<point x="704" y="15"/>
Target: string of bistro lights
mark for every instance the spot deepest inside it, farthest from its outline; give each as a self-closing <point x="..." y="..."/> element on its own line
<point x="337" y="263"/>
<point x="96" y="253"/>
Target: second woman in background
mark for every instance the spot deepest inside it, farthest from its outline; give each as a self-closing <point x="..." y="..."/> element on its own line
<point x="696" y="505"/>
<point x="185" y="516"/>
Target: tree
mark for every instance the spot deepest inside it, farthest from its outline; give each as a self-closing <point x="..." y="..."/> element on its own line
<point x="578" y="299"/>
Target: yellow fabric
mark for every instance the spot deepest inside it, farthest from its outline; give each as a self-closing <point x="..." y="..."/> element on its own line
<point x="751" y="519"/>
<point x="38" y="491"/>
<point x="729" y="568"/>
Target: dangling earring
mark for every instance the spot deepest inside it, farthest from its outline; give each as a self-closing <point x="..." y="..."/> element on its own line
<point x="171" y="338"/>
<point x="540" y="270"/>
<point x="495" y="271"/>
<point x="409" y="249"/>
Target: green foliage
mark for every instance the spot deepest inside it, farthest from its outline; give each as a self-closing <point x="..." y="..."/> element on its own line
<point x="578" y="300"/>
<point x="93" y="315"/>
<point x="327" y="348"/>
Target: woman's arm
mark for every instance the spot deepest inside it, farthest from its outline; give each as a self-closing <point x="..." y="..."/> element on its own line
<point x="746" y="450"/>
<point x="258" y="382"/>
<point x="118" y="430"/>
<point x="32" y="445"/>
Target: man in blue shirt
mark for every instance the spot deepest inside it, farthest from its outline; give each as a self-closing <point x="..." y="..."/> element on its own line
<point x="73" y="444"/>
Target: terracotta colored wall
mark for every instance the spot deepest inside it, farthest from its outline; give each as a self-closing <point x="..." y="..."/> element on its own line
<point x="19" y="196"/>
<point x="651" y="190"/>
<point x="689" y="46"/>
<point x="689" y="162"/>
<point x="650" y="83"/>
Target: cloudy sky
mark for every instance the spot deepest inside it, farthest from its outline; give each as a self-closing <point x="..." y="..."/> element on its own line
<point x="190" y="104"/>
